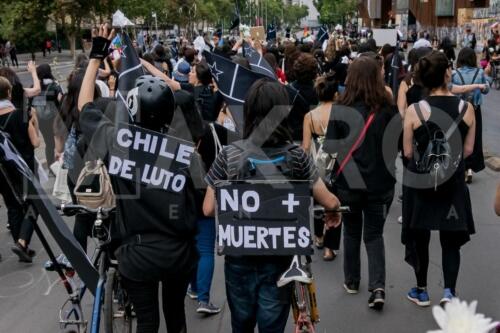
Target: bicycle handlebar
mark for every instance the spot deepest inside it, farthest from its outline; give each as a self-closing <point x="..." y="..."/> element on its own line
<point x="71" y="210"/>
<point x="341" y="209"/>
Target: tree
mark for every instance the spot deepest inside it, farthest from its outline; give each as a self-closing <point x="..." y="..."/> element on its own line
<point x="25" y="21"/>
<point x="335" y="11"/>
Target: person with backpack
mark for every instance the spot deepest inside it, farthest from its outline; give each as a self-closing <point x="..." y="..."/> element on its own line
<point x="315" y="126"/>
<point x="47" y="107"/>
<point x="363" y="178"/>
<point x="157" y="226"/>
<point x="438" y="134"/>
<point x="468" y="73"/>
<point x="23" y="132"/>
<point x="252" y="293"/>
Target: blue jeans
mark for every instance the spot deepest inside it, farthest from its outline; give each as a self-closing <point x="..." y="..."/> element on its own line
<point x="205" y="242"/>
<point x="253" y="296"/>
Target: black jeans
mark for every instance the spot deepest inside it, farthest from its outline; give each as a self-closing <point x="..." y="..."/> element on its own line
<point x="450" y="246"/>
<point x="21" y="226"/>
<point x="365" y="221"/>
<point x="47" y="129"/>
<point x="144" y="297"/>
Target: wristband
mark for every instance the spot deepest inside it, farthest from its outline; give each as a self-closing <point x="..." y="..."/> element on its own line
<point x="100" y="48"/>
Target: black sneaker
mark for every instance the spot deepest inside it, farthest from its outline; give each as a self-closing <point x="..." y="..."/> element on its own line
<point x="377" y="300"/>
<point x="352" y="287"/>
<point x="22" y="253"/>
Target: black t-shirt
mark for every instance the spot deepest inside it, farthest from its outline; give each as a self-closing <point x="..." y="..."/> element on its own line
<point x="16" y="124"/>
<point x="306" y="100"/>
<point x="145" y="211"/>
<point x="374" y="160"/>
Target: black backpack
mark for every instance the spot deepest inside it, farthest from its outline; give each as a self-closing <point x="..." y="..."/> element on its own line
<point x="438" y="160"/>
<point x="46" y="104"/>
<point x="262" y="163"/>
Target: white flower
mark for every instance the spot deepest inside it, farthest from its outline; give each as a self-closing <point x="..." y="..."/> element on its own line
<point x="458" y="317"/>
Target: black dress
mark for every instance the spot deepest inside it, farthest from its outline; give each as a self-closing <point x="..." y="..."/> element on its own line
<point x="447" y="207"/>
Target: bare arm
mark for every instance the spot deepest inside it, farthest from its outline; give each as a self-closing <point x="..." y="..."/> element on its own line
<point x="88" y="84"/>
<point x="209" y="202"/>
<point x="458" y="89"/>
<point x="33" y="131"/>
<point x="408" y="126"/>
<point x="37" y="88"/>
<point x="402" y="102"/>
<point x="470" y="120"/>
<point x="328" y="200"/>
<point x="307" y="133"/>
<point x="174" y="85"/>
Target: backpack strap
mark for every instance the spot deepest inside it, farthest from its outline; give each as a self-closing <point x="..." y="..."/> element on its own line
<point x="418" y="110"/>
<point x="462" y="110"/>
<point x="475" y="76"/>
<point x="7" y="121"/>
<point x="460" y="76"/>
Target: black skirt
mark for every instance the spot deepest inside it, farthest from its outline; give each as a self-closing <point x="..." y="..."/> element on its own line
<point x="475" y="161"/>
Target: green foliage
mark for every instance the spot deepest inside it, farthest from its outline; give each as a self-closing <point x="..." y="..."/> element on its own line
<point x="335" y="11"/>
<point x="24" y="21"/>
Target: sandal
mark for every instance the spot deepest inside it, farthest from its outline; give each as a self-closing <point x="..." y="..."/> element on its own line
<point x="329" y="255"/>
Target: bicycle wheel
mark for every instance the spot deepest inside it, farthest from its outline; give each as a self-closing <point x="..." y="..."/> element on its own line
<point x="116" y="308"/>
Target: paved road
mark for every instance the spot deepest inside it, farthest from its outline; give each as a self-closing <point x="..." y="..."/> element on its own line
<point x="30" y="298"/>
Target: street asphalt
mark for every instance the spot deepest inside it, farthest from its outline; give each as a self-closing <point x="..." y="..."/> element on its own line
<point x="30" y="298"/>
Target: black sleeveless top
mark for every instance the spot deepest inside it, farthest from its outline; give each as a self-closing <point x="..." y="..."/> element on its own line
<point x="16" y="124"/>
<point x="447" y="207"/>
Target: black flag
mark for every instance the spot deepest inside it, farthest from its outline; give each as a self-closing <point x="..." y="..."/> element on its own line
<point x="235" y="81"/>
<point x="271" y="32"/>
<point x="22" y="180"/>
<point x="257" y="61"/>
<point x="130" y="70"/>
<point x="236" y="19"/>
<point x="322" y="34"/>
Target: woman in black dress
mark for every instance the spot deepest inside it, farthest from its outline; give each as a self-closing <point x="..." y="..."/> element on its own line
<point x="444" y="206"/>
<point x="23" y="131"/>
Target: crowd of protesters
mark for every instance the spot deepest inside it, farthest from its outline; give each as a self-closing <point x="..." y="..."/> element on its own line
<point x="339" y="75"/>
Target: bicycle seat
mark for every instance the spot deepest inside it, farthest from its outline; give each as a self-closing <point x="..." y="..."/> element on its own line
<point x="294" y="273"/>
<point x="62" y="261"/>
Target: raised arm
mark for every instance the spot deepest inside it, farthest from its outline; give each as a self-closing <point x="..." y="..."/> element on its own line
<point x="100" y="46"/>
<point x="37" y="88"/>
<point x="174" y="85"/>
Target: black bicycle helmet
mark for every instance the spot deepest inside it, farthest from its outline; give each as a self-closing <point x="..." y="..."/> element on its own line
<point x="151" y="102"/>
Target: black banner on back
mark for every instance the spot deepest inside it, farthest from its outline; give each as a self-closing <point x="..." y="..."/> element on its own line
<point x="264" y="218"/>
<point x="150" y="158"/>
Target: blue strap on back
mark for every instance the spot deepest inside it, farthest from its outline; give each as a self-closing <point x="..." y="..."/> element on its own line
<point x="254" y="162"/>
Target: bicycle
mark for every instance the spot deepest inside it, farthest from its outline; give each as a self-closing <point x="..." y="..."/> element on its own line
<point x="111" y="300"/>
<point x="304" y="303"/>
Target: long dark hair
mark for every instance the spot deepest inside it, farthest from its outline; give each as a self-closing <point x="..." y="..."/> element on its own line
<point x="69" y="111"/>
<point x="364" y="83"/>
<point x="266" y="95"/>
<point x="44" y="72"/>
<point x="431" y="70"/>
<point x="467" y="58"/>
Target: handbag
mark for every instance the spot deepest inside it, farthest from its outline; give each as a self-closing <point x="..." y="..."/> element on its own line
<point x="93" y="188"/>
<point x="354" y="147"/>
